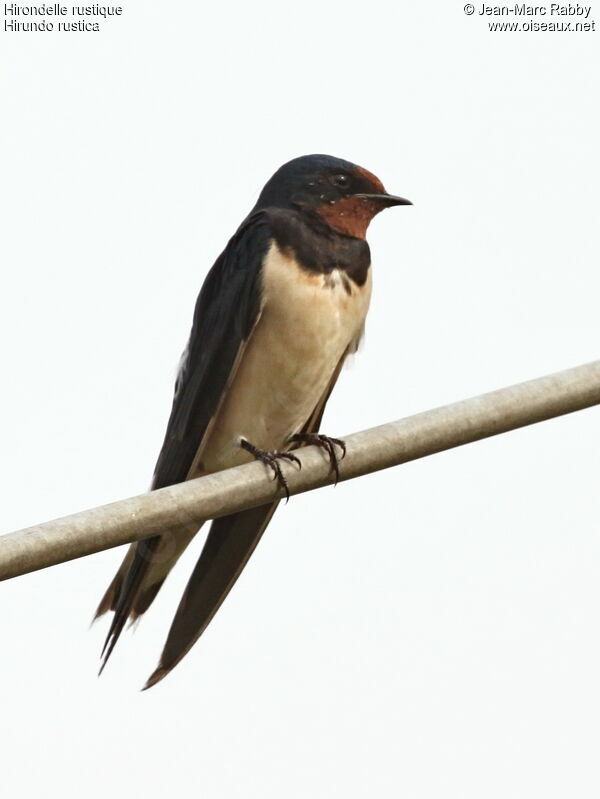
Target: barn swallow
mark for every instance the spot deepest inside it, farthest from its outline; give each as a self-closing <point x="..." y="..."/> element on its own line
<point x="278" y="313"/>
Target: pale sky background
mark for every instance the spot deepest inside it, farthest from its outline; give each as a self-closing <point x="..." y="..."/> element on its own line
<point x="430" y="631"/>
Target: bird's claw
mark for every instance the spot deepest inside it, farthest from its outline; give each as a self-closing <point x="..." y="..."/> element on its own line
<point x="328" y="444"/>
<point x="271" y="459"/>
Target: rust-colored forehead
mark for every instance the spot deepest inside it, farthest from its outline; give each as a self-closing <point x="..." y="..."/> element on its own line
<point x="370" y="178"/>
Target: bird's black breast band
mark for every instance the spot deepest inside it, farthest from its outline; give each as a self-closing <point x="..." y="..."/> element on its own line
<point x="317" y="248"/>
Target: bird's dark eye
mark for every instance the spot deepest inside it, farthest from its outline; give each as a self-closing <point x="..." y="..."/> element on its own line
<point x="341" y="181"/>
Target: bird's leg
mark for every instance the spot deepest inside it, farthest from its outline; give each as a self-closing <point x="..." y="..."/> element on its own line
<point x="271" y="459"/>
<point x="326" y="443"/>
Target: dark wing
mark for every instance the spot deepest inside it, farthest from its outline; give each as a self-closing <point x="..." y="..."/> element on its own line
<point x="230" y="542"/>
<point x="226" y="313"/>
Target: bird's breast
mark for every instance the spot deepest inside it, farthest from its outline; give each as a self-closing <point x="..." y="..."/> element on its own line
<point x="309" y="320"/>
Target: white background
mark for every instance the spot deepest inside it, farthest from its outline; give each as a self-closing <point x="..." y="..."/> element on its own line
<point x="430" y="631"/>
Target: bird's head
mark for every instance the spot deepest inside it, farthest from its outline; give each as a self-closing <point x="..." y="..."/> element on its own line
<point x="343" y="195"/>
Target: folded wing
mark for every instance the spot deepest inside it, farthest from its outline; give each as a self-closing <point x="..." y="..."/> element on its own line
<point x="226" y="313"/>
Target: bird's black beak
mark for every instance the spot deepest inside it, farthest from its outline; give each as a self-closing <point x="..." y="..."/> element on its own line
<point x="387" y="200"/>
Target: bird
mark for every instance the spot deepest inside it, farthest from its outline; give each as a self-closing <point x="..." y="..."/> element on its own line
<point x="276" y="317"/>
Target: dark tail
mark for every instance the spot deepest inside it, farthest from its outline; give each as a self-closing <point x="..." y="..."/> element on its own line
<point x="230" y="542"/>
<point x="139" y="578"/>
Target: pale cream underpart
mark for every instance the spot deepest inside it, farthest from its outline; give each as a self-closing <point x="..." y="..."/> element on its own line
<point x="308" y="322"/>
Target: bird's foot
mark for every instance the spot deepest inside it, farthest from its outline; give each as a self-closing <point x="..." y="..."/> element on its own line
<point x="271" y="459"/>
<point x="326" y="443"/>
